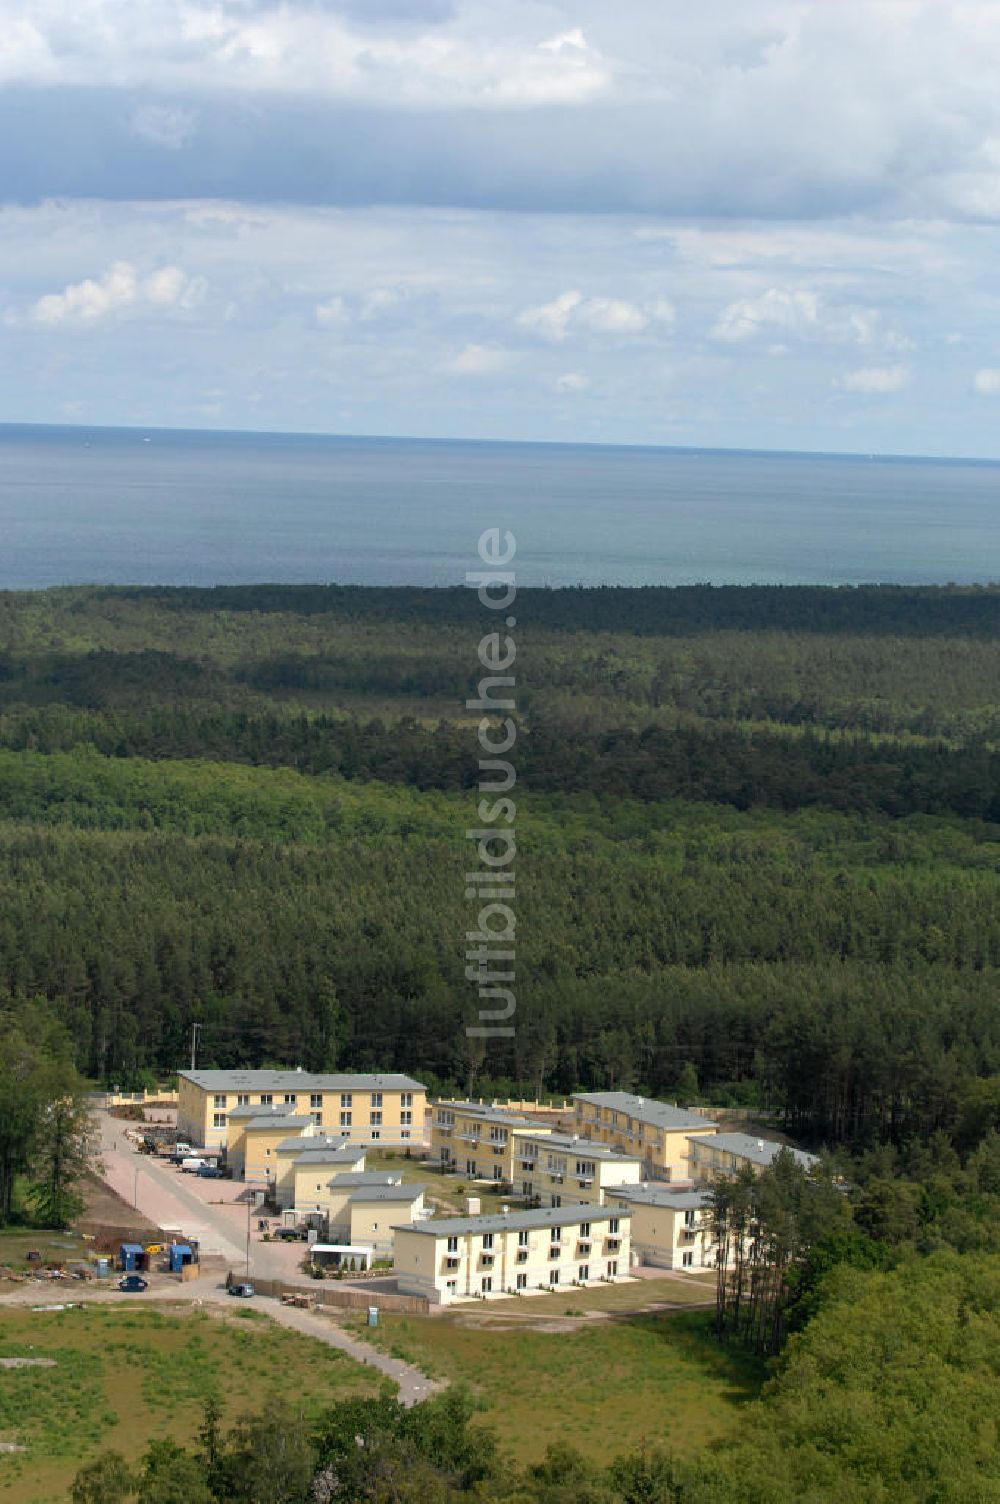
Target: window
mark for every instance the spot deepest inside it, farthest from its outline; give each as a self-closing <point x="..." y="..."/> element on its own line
<point x="470" y="1168"/>
<point x="266" y="1099"/>
<point x="553" y="1276"/>
<point x="376" y="1099"/>
<point x="526" y="1188"/>
<point x="219" y="1120"/>
<point x="498" y="1135"/>
<point x="687" y="1259"/>
<point x="585" y="1169"/>
<point x="317" y="1118"/>
<point x="522" y="1238"/>
<point x="612" y="1268"/>
<point x="345" y="1120"/>
<point x="555" y="1235"/>
<point x="345" y="1099"/>
<point x="406" y="1100"/>
<point x="406" y="1117"/>
<point x="290" y="1098"/>
<point x="487" y="1240"/>
<point x="585" y="1229"/>
<point x="613" y="1227"/>
<point x="689" y="1218"/>
<point x="451" y="1286"/>
<point x="522" y="1281"/>
<point x="316" y="1099"/>
<point x="376" y="1118"/>
<point x="220" y="1099"/>
<point x="498" y="1172"/>
<point x="555" y="1201"/>
<point x="404" y="1133"/>
<point x="452" y="1245"/>
<point x="243" y="1099"/>
<point x="487" y="1283"/>
<point x="583" y="1273"/>
<point x="374" y="1133"/>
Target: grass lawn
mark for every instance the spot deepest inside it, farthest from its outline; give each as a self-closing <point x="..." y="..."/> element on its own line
<point x="603" y="1387"/>
<point x="453" y="1189"/>
<point x="55" y="1247"/>
<point x="125" y="1376"/>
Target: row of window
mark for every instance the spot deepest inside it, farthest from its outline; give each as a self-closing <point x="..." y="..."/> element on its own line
<point x="290" y="1098"/>
<point x="521" y="1280"/>
<point x="524" y="1234"/>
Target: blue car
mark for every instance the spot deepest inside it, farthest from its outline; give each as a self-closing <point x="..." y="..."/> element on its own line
<point x="133" y="1284"/>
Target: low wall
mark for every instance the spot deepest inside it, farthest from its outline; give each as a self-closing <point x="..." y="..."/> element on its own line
<point x="343" y="1296"/>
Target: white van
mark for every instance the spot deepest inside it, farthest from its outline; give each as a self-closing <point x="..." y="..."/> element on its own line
<point x="193" y="1164"/>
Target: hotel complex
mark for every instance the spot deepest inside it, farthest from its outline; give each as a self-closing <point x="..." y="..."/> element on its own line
<point x="367" y="1109"/>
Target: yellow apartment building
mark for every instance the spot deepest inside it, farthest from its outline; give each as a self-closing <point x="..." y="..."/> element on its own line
<point x="261" y="1138"/>
<point x="671" y="1229"/>
<point x="726" y="1153"/>
<point x="335" y="1202"/>
<point x="240" y="1118"/>
<point x="378" y="1211"/>
<point x="657" y="1133"/>
<point x="563" y="1169"/>
<point x="466" y="1258"/>
<point x="478" y="1140"/>
<point x="383" y="1109"/>
<point x="304" y="1165"/>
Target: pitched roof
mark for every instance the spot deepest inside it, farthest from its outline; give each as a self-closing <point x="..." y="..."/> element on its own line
<point x="759" y="1151"/>
<point x="364" y="1177"/>
<point x="662" y="1195"/>
<point x="589" y="1147"/>
<point x="646" y="1109"/>
<point x="543" y="1216"/>
<point x="279" y="1121"/>
<point x="297" y="1080"/>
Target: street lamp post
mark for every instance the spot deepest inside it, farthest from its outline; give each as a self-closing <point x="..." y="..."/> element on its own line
<point x="249" y="1206"/>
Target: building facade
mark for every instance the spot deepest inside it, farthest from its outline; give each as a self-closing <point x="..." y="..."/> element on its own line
<point x="658" y="1134"/>
<point x="671" y="1229"/>
<point x="562" y="1169"/>
<point x="383" y="1109"/>
<point x="477" y="1140"/>
<point x="466" y="1258"/>
<point x="727" y="1153"/>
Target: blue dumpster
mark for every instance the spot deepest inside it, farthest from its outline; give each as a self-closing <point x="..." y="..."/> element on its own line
<point x="180" y="1254"/>
<point x="130" y="1256"/>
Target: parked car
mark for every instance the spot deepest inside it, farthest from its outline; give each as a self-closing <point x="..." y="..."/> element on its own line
<point x="210" y="1172"/>
<point x="133" y="1284"/>
<point x="193" y="1165"/>
<point x="242" y="1288"/>
<point x="289" y="1235"/>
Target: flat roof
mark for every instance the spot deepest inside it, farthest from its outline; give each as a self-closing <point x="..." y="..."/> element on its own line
<point x="411" y="1192"/>
<point x="543" y="1216"/>
<point x="297" y="1080"/>
<point x="262" y="1109"/>
<point x="279" y="1121"/>
<point x="646" y="1109"/>
<point x="588" y="1146"/>
<point x="759" y="1151"/>
<point x="346" y="1156"/>
<point x="312" y="1143"/>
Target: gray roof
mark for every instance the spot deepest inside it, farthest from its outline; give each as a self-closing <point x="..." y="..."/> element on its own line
<point x="589" y="1147"/>
<point x="310" y="1143"/>
<point x="283" y="1121"/>
<point x="364" y="1177"/>
<point x="662" y="1195"/>
<point x="297" y="1080"/>
<point x="759" y="1151"/>
<point x="488" y="1114"/>
<point x="387" y="1193"/>
<point x="544" y="1216"/>
<point x="329" y="1157"/>
<point x="646" y="1109"/>
<point x="262" y="1110"/>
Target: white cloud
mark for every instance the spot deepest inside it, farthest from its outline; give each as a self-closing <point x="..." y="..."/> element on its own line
<point x="555" y="320"/>
<point x="777" y="309"/>
<point x="987" y="382"/>
<point x="119" y="288"/>
<point x="332" y="313"/>
<point x="877" y="380"/>
<point x="479" y="360"/>
<point x="573" y="39"/>
<point x="165" y="126"/>
<point x="571" y="381"/>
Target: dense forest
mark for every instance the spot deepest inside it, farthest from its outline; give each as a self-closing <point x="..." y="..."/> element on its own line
<point x="758" y="838"/>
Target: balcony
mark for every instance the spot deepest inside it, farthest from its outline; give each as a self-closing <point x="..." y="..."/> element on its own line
<point x="583" y="1244"/>
<point x="555" y="1251"/>
<point x="612" y="1244"/>
<point x="522" y="1255"/>
<point x="468" y="1138"/>
<point x="584" y="1181"/>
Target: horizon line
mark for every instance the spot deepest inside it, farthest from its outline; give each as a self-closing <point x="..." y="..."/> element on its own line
<point x="876" y="456"/>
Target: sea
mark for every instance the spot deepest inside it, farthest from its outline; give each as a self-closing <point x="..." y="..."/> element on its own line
<point x="154" y="506"/>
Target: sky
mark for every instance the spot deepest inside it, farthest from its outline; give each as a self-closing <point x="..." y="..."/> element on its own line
<point x="743" y="223"/>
